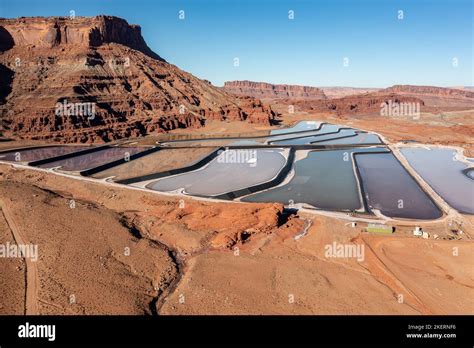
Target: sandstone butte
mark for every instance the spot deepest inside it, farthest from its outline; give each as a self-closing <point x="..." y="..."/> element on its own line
<point x="269" y="91"/>
<point x="103" y="61"/>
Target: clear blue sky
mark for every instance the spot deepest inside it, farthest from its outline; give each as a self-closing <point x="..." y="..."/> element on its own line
<point x="308" y="50"/>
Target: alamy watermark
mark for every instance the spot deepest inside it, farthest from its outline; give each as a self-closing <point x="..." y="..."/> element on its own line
<point x="75" y="109"/>
<point x="239" y="156"/>
<point x="336" y="250"/>
<point x="28" y="330"/>
<point x="29" y="251"/>
<point x="400" y="109"/>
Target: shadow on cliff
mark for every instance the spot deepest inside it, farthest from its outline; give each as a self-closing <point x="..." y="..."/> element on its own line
<point x="6" y="74"/>
<point x="6" y="40"/>
<point x="6" y="80"/>
<point x="275" y="122"/>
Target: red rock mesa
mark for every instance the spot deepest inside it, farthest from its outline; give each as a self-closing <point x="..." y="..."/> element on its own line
<point x="58" y="62"/>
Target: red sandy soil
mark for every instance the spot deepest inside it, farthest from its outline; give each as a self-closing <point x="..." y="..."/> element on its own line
<point x="264" y="277"/>
<point x="12" y="276"/>
<point x="81" y="245"/>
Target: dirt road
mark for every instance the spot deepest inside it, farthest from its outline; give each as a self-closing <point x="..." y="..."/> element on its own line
<point x="32" y="280"/>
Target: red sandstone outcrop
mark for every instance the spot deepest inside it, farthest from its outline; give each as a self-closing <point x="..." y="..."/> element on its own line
<point x="80" y="31"/>
<point x="271" y="91"/>
<point x="54" y="71"/>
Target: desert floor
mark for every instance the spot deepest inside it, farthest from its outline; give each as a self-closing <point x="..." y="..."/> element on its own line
<point x="111" y="249"/>
<point x="116" y="250"/>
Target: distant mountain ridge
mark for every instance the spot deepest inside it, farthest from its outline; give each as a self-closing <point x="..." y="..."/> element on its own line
<point x="436" y="96"/>
<point x="267" y="90"/>
<point x="439" y="91"/>
<point x="460" y="98"/>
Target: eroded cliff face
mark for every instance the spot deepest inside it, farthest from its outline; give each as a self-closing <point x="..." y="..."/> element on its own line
<point x="430" y="90"/>
<point x="271" y="91"/>
<point x="80" y="32"/>
<point x="438" y="97"/>
<point x="95" y="79"/>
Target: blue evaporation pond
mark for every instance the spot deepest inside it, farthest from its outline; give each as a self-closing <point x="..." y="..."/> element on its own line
<point x="326" y="134"/>
<point x="389" y="188"/>
<point x="36" y="154"/>
<point x="94" y="159"/>
<point x="440" y="169"/>
<point x="299" y="127"/>
<point x="232" y="170"/>
<point x="322" y="179"/>
<point x="359" y="138"/>
<point x="303" y="138"/>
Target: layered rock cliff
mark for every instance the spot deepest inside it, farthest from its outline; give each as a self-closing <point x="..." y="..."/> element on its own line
<point x="81" y="31"/>
<point x="430" y="90"/>
<point x="441" y="97"/>
<point x="95" y="79"/>
<point x="271" y="91"/>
